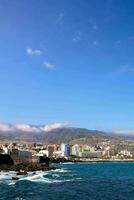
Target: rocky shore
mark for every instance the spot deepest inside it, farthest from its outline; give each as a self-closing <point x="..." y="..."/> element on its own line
<point x="23" y="168"/>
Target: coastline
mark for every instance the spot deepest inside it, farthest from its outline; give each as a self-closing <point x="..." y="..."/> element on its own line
<point x="23" y="168"/>
<point x="96" y="161"/>
<point x="107" y="160"/>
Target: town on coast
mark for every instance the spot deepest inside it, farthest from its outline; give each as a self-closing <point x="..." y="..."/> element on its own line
<point x="38" y="155"/>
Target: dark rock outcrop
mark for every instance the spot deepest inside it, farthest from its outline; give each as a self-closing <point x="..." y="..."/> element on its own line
<point x="6" y="159"/>
<point x="44" y="160"/>
<point x="23" y="168"/>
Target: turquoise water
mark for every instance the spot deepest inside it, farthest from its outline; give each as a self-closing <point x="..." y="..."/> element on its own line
<point x="95" y="181"/>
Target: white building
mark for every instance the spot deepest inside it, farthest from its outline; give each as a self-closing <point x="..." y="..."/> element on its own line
<point x="65" y="149"/>
<point x="57" y="154"/>
<point x="6" y="150"/>
<point x="75" y="150"/>
<point x="91" y="154"/>
<point x="43" y="153"/>
<point x="124" y="153"/>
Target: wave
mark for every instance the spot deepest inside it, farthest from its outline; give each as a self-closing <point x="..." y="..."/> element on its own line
<point x="6" y="175"/>
<point x="67" y="163"/>
<point x="56" y="176"/>
<point x="62" y="170"/>
<point x="42" y="178"/>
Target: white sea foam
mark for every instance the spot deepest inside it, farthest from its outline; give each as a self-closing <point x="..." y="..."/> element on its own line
<point x="67" y="163"/>
<point x="34" y="177"/>
<point x="55" y="175"/>
<point x="6" y="175"/>
<point x="39" y="176"/>
<point x="62" y="170"/>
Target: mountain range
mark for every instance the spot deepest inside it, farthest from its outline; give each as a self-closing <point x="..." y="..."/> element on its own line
<point x="54" y="133"/>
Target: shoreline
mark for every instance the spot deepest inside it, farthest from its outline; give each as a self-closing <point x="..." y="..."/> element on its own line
<point x="109" y="160"/>
<point x="96" y="161"/>
<point x="24" y="168"/>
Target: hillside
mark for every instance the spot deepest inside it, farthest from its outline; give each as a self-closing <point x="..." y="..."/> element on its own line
<point x="72" y="135"/>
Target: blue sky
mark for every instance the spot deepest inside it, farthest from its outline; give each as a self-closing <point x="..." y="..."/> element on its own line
<point x="67" y="61"/>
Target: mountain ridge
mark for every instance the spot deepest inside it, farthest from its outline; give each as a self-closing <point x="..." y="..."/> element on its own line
<point x="57" y="135"/>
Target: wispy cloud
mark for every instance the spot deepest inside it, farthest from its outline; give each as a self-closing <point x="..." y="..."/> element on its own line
<point x="48" y="65"/>
<point x="33" y="52"/>
<point x="77" y="36"/>
<point x="38" y="52"/>
<point x="32" y="128"/>
<point x="26" y="128"/>
<point x="123" y="131"/>
<point x="60" y="17"/>
<point x="6" y="127"/>
<point x="50" y="127"/>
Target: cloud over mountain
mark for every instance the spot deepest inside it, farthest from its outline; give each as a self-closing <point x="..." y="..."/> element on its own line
<point x="123" y="131"/>
<point x="30" y="128"/>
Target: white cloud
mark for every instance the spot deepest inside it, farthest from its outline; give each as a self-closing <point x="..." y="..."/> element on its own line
<point x="118" y="131"/>
<point x="27" y="128"/>
<point x="48" y="65"/>
<point x="123" y="131"/>
<point x="31" y="128"/>
<point x="50" y="127"/>
<point x="6" y="127"/>
<point x="32" y="52"/>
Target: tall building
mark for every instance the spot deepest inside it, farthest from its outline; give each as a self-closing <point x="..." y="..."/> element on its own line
<point x="75" y="150"/>
<point x="51" y="149"/>
<point x="65" y="149"/>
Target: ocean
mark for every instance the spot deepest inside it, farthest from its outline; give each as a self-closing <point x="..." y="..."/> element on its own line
<point x="93" y="181"/>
